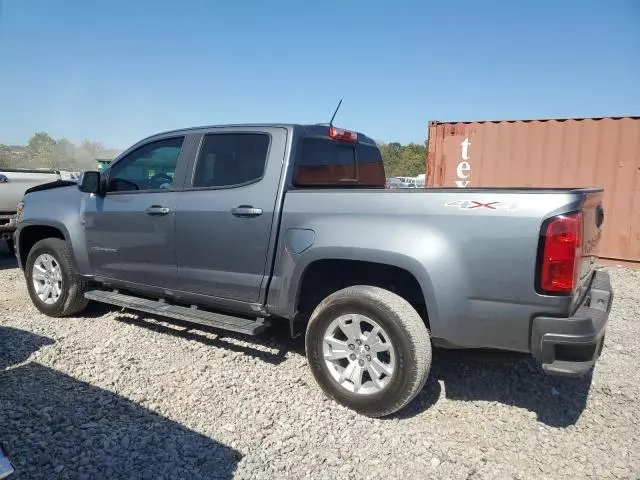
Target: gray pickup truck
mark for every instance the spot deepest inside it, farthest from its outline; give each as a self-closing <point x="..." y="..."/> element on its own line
<point x="237" y="227"/>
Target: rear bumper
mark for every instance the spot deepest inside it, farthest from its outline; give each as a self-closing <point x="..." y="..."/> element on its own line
<point x="570" y="346"/>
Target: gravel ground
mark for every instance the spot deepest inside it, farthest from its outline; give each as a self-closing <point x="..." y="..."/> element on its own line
<point x="117" y="395"/>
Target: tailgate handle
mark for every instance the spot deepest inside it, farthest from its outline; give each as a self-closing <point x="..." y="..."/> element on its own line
<point x="246" y="211"/>
<point x="599" y="216"/>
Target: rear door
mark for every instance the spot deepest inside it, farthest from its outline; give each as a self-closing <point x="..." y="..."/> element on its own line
<point x="225" y="214"/>
<point x="130" y="232"/>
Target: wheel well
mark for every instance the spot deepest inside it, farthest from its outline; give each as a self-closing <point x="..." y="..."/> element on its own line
<point x="324" y="277"/>
<point x="29" y="236"/>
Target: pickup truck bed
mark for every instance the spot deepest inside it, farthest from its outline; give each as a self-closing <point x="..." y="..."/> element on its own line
<point x="475" y="266"/>
<point x="13" y="185"/>
<point x="18" y="181"/>
<point x="238" y="227"/>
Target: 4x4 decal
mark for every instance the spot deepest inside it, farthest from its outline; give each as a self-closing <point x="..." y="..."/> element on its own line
<point x="474" y="204"/>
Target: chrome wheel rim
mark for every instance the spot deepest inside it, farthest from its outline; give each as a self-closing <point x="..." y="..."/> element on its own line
<point x="359" y="354"/>
<point x="47" y="279"/>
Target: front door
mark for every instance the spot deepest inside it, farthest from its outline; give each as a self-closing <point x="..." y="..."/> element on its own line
<point x="225" y="213"/>
<point x="130" y="232"/>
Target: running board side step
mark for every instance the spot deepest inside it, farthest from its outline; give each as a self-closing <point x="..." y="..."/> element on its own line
<point x="185" y="314"/>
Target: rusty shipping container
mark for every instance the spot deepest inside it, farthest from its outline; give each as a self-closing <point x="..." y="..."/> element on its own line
<point x="584" y="152"/>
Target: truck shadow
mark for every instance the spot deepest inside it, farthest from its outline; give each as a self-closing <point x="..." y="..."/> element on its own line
<point x="54" y="426"/>
<point x="17" y="345"/>
<point x="466" y="375"/>
<point x="7" y="261"/>
<point x="507" y="378"/>
<point x="270" y="347"/>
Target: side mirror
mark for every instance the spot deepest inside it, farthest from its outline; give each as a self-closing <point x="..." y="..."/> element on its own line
<point x="91" y="183"/>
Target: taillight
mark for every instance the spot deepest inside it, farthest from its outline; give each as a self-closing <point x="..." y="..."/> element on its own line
<point x="342" y="134"/>
<point x="561" y="254"/>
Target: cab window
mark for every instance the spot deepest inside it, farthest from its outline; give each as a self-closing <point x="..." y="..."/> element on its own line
<point x="150" y="167"/>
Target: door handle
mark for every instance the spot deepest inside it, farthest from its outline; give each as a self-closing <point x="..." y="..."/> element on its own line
<point x="157" y="210"/>
<point x="246" y="211"/>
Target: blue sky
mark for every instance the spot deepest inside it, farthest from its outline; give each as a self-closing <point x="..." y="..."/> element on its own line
<point x="116" y="71"/>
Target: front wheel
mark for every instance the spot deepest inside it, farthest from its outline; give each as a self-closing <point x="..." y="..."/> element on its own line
<point x="368" y="349"/>
<point x="53" y="284"/>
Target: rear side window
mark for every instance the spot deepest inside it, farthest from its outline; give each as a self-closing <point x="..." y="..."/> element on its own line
<point x="326" y="162"/>
<point x="231" y="159"/>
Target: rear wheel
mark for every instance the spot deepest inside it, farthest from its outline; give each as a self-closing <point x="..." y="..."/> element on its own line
<point x="54" y="286"/>
<point x="368" y="349"/>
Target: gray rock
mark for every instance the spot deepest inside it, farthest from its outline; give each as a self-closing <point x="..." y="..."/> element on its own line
<point x="82" y="408"/>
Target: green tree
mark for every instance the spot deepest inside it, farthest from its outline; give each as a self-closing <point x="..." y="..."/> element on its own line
<point x="40" y="150"/>
<point x="12" y="156"/>
<point x="404" y="160"/>
<point x="88" y="151"/>
<point x="64" y="154"/>
<point x="6" y="156"/>
<point x="44" y="151"/>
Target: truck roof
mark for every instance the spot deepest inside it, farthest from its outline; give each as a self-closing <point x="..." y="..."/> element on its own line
<point x="308" y="129"/>
<point x="315" y="165"/>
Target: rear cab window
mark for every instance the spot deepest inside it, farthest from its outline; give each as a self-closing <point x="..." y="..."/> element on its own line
<point x="323" y="161"/>
<point x="231" y="159"/>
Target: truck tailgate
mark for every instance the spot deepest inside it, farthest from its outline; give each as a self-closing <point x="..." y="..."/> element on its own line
<point x="592" y="220"/>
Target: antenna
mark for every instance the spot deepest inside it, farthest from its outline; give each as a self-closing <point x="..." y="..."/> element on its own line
<point x="334" y="113"/>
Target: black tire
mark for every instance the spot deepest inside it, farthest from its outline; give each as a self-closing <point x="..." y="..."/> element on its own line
<point x="406" y="331"/>
<point x="71" y="300"/>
